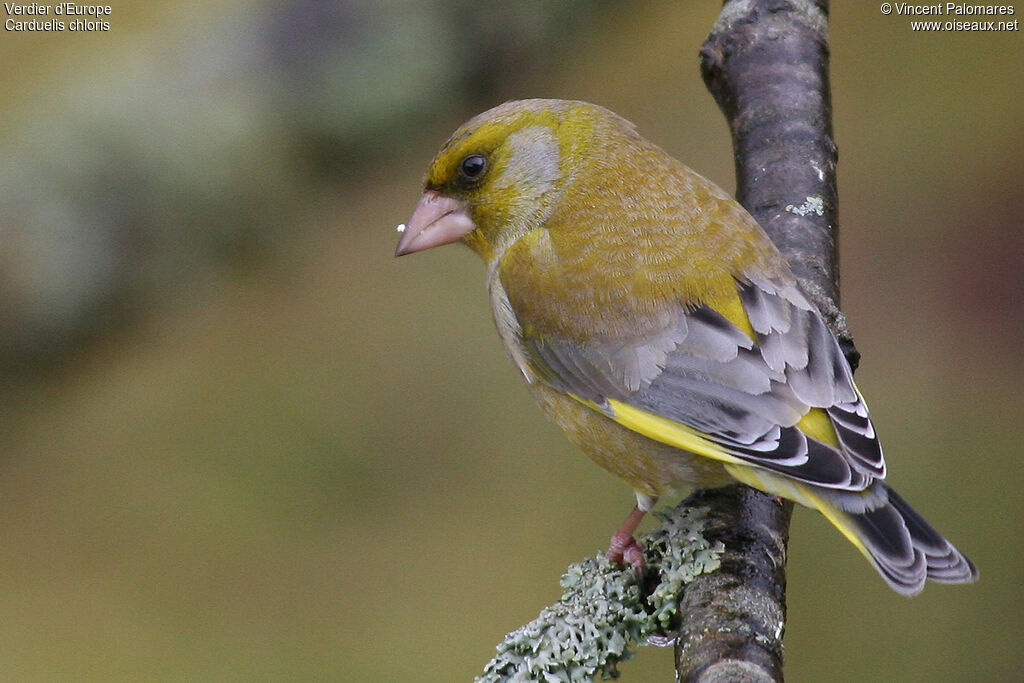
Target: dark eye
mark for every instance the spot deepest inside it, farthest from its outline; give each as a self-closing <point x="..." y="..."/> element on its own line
<point x="472" y="167"/>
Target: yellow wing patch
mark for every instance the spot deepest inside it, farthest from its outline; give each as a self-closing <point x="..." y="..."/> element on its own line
<point x="731" y="308"/>
<point x="818" y="425"/>
<point x="663" y="430"/>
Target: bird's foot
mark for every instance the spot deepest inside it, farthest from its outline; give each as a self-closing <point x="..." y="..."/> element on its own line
<point x="627" y="549"/>
<point x="624" y="548"/>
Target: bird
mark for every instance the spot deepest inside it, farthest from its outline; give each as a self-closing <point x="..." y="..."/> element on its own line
<point x="656" y="323"/>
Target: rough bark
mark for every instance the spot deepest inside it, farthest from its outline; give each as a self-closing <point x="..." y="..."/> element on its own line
<point x="766" y="63"/>
<point x="733" y="618"/>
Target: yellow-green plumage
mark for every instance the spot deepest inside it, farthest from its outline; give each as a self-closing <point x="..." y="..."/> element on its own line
<point x="657" y="324"/>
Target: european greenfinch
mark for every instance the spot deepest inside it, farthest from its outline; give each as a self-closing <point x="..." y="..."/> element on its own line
<point x="657" y="324"/>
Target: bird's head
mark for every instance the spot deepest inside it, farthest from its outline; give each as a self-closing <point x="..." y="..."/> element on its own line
<point x="500" y="175"/>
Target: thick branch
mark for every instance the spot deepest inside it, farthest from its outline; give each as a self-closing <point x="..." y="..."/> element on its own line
<point x="766" y="63"/>
<point x="731" y="620"/>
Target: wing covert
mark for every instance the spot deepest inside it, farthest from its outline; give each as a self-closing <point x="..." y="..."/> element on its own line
<point x="746" y="397"/>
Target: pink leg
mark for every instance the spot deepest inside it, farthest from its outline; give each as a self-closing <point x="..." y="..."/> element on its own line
<point x="624" y="547"/>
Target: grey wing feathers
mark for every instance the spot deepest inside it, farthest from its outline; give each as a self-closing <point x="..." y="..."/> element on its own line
<point x="605" y="370"/>
<point x="747" y="395"/>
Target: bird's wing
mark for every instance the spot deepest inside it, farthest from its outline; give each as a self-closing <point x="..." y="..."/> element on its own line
<point x="783" y="400"/>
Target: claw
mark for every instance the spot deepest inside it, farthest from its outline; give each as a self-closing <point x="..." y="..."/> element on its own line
<point x="624" y="548"/>
<point x="634" y="554"/>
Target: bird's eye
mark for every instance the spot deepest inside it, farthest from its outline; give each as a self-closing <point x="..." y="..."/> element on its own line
<point x="472" y="167"/>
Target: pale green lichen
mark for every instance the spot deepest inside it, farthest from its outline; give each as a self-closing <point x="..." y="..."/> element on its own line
<point x="602" y="613"/>
<point x="815" y="205"/>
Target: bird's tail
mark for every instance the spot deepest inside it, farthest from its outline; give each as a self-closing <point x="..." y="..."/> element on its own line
<point x="904" y="548"/>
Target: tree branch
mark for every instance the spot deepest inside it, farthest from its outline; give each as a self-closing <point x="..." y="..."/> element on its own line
<point x="766" y="63"/>
<point x="731" y="620"/>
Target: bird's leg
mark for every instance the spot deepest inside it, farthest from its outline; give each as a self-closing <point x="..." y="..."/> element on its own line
<point x="624" y="547"/>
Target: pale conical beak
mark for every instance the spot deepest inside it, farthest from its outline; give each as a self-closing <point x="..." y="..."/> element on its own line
<point x="436" y="220"/>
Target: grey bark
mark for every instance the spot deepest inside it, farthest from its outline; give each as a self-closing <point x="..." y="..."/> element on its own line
<point x="766" y="63"/>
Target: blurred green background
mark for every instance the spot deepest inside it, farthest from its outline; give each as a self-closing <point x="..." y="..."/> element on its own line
<point x="241" y="442"/>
